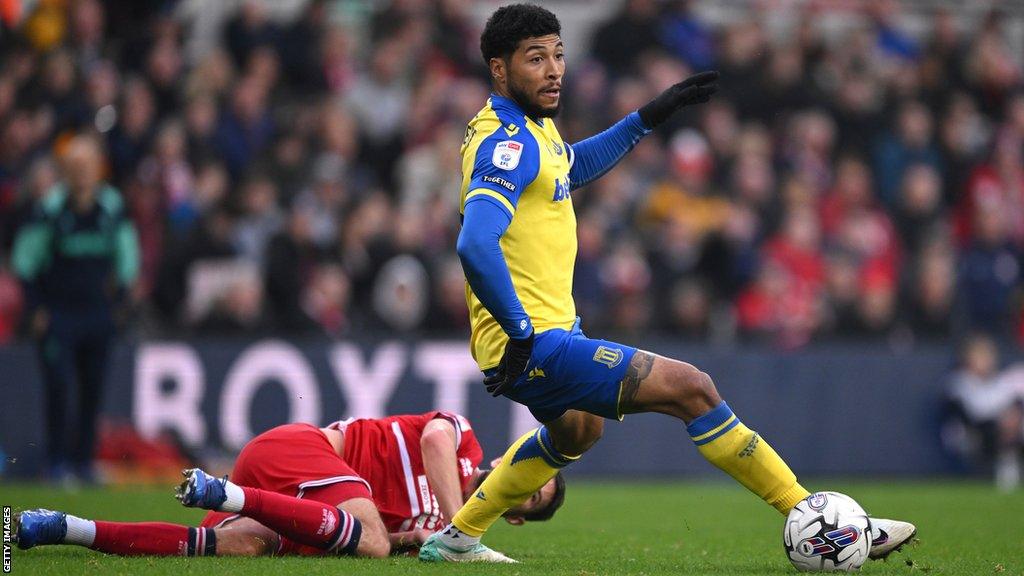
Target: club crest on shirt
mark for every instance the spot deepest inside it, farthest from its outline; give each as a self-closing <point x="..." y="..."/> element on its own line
<point x="506" y="154"/>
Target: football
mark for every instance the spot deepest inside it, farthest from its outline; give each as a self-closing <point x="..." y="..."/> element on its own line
<point x="827" y="532"/>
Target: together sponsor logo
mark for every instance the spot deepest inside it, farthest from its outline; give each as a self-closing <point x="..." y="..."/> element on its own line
<point x="8" y="539"/>
<point x="500" y="182"/>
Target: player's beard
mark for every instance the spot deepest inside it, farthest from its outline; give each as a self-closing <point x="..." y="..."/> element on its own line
<point x="529" y="103"/>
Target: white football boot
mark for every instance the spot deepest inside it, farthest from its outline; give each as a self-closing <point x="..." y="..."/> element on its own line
<point x="888" y="536"/>
<point x="433" y="550"/>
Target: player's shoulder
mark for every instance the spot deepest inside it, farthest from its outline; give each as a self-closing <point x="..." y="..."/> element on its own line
<point x="503" y="142"/>
<point x="498" y="122"/>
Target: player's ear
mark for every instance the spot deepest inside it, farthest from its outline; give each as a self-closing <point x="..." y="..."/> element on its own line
<point x="515" y="520"/>
<point x="498" y="69"/>
<point x="495" y="462"/>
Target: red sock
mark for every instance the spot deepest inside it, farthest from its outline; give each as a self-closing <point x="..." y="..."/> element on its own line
<point x="153" y="538"/>
<point x="304" y="521"/>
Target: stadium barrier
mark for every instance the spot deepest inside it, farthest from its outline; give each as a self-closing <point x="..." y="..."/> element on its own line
<point x="829" y="410"/>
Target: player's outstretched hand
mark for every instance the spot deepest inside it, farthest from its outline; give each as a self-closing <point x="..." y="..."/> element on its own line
<point x="512" y="365"/>
<point x="694" y="90"/>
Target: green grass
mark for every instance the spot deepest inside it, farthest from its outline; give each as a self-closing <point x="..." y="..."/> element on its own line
<point x="605" y="528"/>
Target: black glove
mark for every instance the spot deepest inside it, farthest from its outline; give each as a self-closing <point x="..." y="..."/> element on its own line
<point x="694" y="90"/>
<point x="513" y="364"/>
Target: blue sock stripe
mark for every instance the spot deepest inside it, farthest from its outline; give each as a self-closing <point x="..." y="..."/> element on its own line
<point x="210" y="548"/>
<point x="558" y="460"/>
<point x="706" y="423"/>
<point x="716" y="435"/>
<point x="539" y="445"/>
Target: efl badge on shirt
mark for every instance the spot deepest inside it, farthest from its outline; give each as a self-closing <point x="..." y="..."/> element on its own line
<point x="506" y="154"/>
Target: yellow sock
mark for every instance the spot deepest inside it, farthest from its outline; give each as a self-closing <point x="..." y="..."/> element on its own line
<point x="744" y="455"/>
<point x="526" y="466"/>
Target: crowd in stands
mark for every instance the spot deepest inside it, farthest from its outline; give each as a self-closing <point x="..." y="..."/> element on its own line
<point x="302" y="177"/>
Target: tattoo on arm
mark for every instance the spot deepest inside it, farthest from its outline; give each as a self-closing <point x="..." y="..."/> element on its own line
<point x="639" y="368"/>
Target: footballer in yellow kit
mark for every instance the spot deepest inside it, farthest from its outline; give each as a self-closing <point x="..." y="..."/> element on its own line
<point x="518" y="248"/>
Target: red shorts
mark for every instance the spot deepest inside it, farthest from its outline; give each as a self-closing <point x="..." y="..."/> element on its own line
<point x="295" y="460"/>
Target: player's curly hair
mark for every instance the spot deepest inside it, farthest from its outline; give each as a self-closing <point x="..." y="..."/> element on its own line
<point x="509" y="25"/>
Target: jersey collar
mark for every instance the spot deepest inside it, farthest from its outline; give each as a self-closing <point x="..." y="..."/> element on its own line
<point x="499" y="101"/>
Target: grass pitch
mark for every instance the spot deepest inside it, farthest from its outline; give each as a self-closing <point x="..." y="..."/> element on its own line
<point x="605" y="528"/>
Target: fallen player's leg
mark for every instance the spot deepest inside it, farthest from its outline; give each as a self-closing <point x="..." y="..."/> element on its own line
<point x="324" y="527"/>
<point x="46" y="527"/>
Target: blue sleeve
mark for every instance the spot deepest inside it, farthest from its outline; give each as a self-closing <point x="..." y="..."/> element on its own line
<point x="593" y="157"/>
<point x="504" y="166"/>
<point x="484" y="221"/>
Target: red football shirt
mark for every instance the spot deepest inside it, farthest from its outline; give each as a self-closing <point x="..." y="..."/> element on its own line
<point x="386" y="453"/>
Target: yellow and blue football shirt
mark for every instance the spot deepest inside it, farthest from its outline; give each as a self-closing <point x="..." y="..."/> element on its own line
<point x="523" y="165"/>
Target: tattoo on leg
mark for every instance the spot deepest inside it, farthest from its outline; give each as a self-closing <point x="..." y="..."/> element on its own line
<point x="639" y="368"/>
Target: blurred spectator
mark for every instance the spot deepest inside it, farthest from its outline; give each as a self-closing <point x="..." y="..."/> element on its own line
<point x="963" y="135"/>
<point x="301" y="51"/>
<point x="690" y="311"/>
<point x="911" y="143"/>
<point x="212" y="238"/>
<point x="324" y="201"/>
<point x="77" y="259"/>
<point x="785" y="301"/>
<point x="248" y="30"/>
<point x="997" y="184"/>
<point x="931" y="291"/>
<point x="990" y="272"/>
<point x="292" y="260"/>
<point x="992" y="69"/>
<point x="163" y="69"/>
<point x="259" y="217"/>
<point x="245" y="126"/>
<point x="378" y="99"/>
<point x="326" y="299"/>
<point x="919" y="215"/>
<point x="986" y="413"/>
<point x="236" y="310"/>
<point x="129" y="139"/>
<point x="401" y="293"/>
<point x="842" y="288"/>
<point x="448" y="314"/>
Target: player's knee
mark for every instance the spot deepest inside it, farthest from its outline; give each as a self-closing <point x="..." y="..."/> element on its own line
<point x="576" y="440"/>
<point x="695" y="391"/>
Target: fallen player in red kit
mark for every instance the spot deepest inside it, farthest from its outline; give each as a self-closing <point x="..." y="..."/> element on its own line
<point x="360" y="487"/>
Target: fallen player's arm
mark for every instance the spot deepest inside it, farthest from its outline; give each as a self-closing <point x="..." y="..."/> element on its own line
<point x="440" y="461"/>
